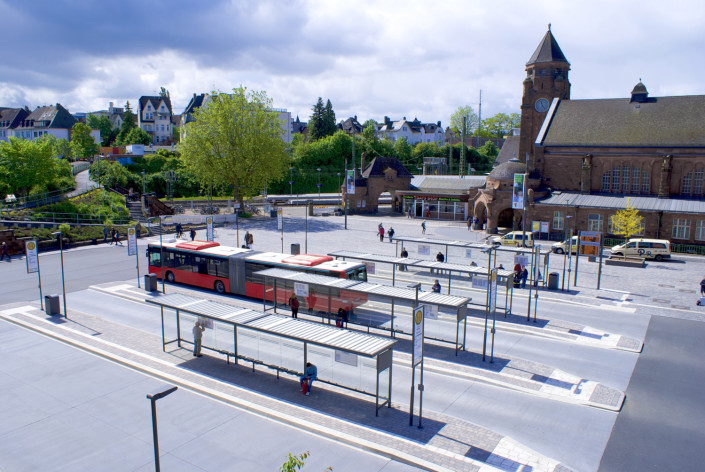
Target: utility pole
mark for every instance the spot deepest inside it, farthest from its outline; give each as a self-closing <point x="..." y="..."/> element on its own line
<point x="462" y="146"/>
<point x="479" y="114"/>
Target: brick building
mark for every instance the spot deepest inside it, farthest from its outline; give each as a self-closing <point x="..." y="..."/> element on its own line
<point x="586" y="158"/>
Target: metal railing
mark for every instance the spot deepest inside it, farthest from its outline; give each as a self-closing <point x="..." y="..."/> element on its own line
<point x="75" y="218"/>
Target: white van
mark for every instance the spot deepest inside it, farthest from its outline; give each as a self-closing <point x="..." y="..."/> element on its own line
<point x="515" y="238"/>
<point x="658" y="249"/>
<point x="562" y="247"/>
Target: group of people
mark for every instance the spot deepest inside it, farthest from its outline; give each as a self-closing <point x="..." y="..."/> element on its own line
<point x="520" y="276"/>
<point x="380" y="232"/>
<point x="114" y="236"/>
<point x="180" y="232"/>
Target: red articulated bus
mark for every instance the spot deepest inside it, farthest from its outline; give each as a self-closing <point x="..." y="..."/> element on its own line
<point x="232" y="270"/>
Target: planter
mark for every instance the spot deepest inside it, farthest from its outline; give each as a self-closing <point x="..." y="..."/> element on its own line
<point x="628" y="262"/>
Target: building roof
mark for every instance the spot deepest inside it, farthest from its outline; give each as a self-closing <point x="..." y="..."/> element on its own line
<point x="507" y="170"/>
<point x="619" y="202"/>
<point x="447" y="183"/>
<point x="11" y="117"/>
<point x="509" y="150"/>
<point x="155" y="101"/>
<point x="654" y="122"/>
<point x="548" y="50"/>
<point x="195" y="103"/>
<point x="350" y="125"/>
<point x="55" y="115"/>
<point x="378" y="166"/>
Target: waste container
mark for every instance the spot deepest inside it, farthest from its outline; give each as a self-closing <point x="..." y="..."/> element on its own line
<point x="295" y="249"/>
<point x="51" y="304"/>
<point x="150" y="282"/>
<point x="553" y="281"/>
<point x="272" y="213"/>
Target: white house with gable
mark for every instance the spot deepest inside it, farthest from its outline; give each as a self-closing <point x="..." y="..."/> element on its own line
<point x="414" y="131"/>
<point x="154" y="117"/>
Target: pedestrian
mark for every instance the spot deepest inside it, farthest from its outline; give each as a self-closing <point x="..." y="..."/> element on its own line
<point x="500" y="267"/>
<point x="423" y="227"/>
<point x="476" y="222"/>
<point x="439" y="258"/>
<point x="517" y="269"/>
<point x="192" y="234"/>
<point x="408" y="213"/>
<point x="179" y="230"/>
<point x="105" y="234"/>
<point x="247" y="238"/>
<point x="112" y="237"/>
<point x="138" y="228"/>
<point x="117" y="238"/>
<point x="342" y="319"/>
<point x="523" y="276"/>
<point x="5" y="252"/>
<point x="309" y="376"/>
<point x="473" y="264"/>
<point x="390" y="233"/>
<point x="198" y="330"/>
<point x="436" y="286"/>
<point x="404" y="253"/>
<point x="381" y="232"/>
<point x="294" y="305"/>
<point x="250" y="240"/>
<point x="702" y="286"/>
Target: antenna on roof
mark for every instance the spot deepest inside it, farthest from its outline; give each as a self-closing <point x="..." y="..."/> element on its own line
<point x="549" y="27"/>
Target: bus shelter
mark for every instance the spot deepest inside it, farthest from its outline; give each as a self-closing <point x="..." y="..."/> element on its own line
<point x="532" y="254"/>
<point x="444" y="322"/>
<point x="355" y="360"/>
<point x="505" y="277"/>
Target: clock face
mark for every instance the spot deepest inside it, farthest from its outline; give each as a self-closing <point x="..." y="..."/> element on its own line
<point x="541" y="105"/>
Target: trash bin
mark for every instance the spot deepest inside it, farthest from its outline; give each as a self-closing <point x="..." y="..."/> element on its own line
<point x="295" y="249"/>
<point x="553" y="281"/>
<point x="272" y="213"/>
<point x="150" y="282"/>
<point x="51" y="304"/>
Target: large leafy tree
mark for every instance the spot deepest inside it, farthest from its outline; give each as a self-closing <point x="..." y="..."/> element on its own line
<point x="627" y="222"/>
<point x="27" y="164"/>
<point x="102" y="123"/>
<point x="83" y="145"/>
<point x="329" y="126"/>
<point x="316" y="125"/>
<point x="235" y="140"/>
<point x="402" y="149"/>
<point x="137" y="136"/>
<point x="499" y="125"/>
<point x="129" y="121"/>
<point x="456" y="120"/>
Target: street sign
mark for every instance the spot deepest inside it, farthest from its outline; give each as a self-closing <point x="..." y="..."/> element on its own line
<point x="418" y="335"/>
<point x="32" y="257"/>
<point x="131" y="241"/>
<point x="301" y="289"/>
<point x="209" y="228"/>
<point x="589" y="243"/>
<point x="280" y="220"/>
<point x="493" y="290"/>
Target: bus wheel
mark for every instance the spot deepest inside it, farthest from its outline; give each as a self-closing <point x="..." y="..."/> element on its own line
<point x="170" y="277"/>
<point x="219" y="286"/>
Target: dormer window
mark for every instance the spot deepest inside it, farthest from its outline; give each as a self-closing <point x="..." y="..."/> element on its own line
<point x="149" y="107"/>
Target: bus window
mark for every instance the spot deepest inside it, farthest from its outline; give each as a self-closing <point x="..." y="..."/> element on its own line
<point x="218" y="268"/>
<point x="359" y="274"/>
<point x="154" y="259"/>
<point x="200" y="265"/>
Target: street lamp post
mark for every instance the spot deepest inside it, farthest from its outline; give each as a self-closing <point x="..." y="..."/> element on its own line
<point x="153" y="397"/>
<point x="291" y="182"/>
<point x="63" y="285"/>
<point x="319" y="182"/>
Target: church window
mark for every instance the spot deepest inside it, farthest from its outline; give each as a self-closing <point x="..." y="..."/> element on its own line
<point x="635" y="180"/>
<point x="625" y="179"/>
<point x="594" y="222"/>
<point x="700" y="230"/>
<point x="685" y="188"/>
<point x="698" y="182"/>
<point x="557" y="220"/>
<point x="645" y="187"/>
<point x="606" y="179"/>
<point x="681" y="228"/>
<point x="615" y="180"/>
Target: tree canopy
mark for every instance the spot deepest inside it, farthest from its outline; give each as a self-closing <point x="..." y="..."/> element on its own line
<point x="322" y="120"/>
<point x="102" y="123"/>
<point x="137" y="136"/>
<point x="83" y="145"/>
<point x="627" y="222"/>
<point x="235" y="140"/>
<point x="129" y="121"/>
<point x="500" y="125"/>
<point x="456" y="120"/>
<point x="28" y="166"/>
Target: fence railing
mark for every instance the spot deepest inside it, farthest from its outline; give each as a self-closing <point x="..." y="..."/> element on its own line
<point x="75" y="218"/>
<point x="80" y="167"/>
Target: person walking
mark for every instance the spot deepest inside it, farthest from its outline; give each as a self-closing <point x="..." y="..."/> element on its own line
<point x="523" y="276"/>
<point x="469" y="224"/>
<point x="310" y="375"/>
<point x="198" y="330"/>
<point x="192" y="234"/>
<point x="294" y="305"/>
<point x="423" y="227"/>
<point x="179" y="230"/>
<point x="250" y="240"/>
<point x="702" y="285"/>
<point x="117" y="238"/>
<point x="105" y="234"/>
<point x="390" y="233"/>
<point x="112" y="237"/>
<point x="381" y="232"/>
<point x="5" y="252"/>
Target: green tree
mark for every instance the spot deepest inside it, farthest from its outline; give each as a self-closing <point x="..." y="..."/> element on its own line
<point x="62" y="147"/>
<point x="235" y="140"/>
<point x="456" y="120"/>
<point x="83" y="145"/>
<point x="499" y="125"/>
<point x="627" y="222"/>
<point x="137" y="136"/>
<point x="28" y="164"/>
<point x="102" y="123"/>
<point x="316" y="126"/>
<point x="402" y="149"/>
<point x="129" y="121"/>
<point x="329" y="126"/>
<point x="163" y="92"/>
<point x="109" y="173"/>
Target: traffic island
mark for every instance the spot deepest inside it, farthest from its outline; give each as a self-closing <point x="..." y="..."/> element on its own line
<point x="626" y="262"/>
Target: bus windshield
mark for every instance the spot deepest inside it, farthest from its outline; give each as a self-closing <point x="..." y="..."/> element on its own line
<point x="359" y="274"/>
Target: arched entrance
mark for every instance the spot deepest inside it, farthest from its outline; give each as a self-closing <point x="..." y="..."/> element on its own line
<point x="481" y="215"/>
<point x="506" y="218"/>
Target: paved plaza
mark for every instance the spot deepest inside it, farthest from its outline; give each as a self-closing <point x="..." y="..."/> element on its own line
<point x="553" y="399"/>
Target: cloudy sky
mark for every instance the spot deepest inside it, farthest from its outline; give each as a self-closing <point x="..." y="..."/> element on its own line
<point x="370" y="58"/>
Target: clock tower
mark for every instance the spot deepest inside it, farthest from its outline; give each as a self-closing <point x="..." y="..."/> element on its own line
<point x="546" y="79"/>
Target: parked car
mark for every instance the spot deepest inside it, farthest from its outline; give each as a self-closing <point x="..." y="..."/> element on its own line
<point x="562" y="247"/>
<point x="515" y="238"/>
<point x="658" y="249"/>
